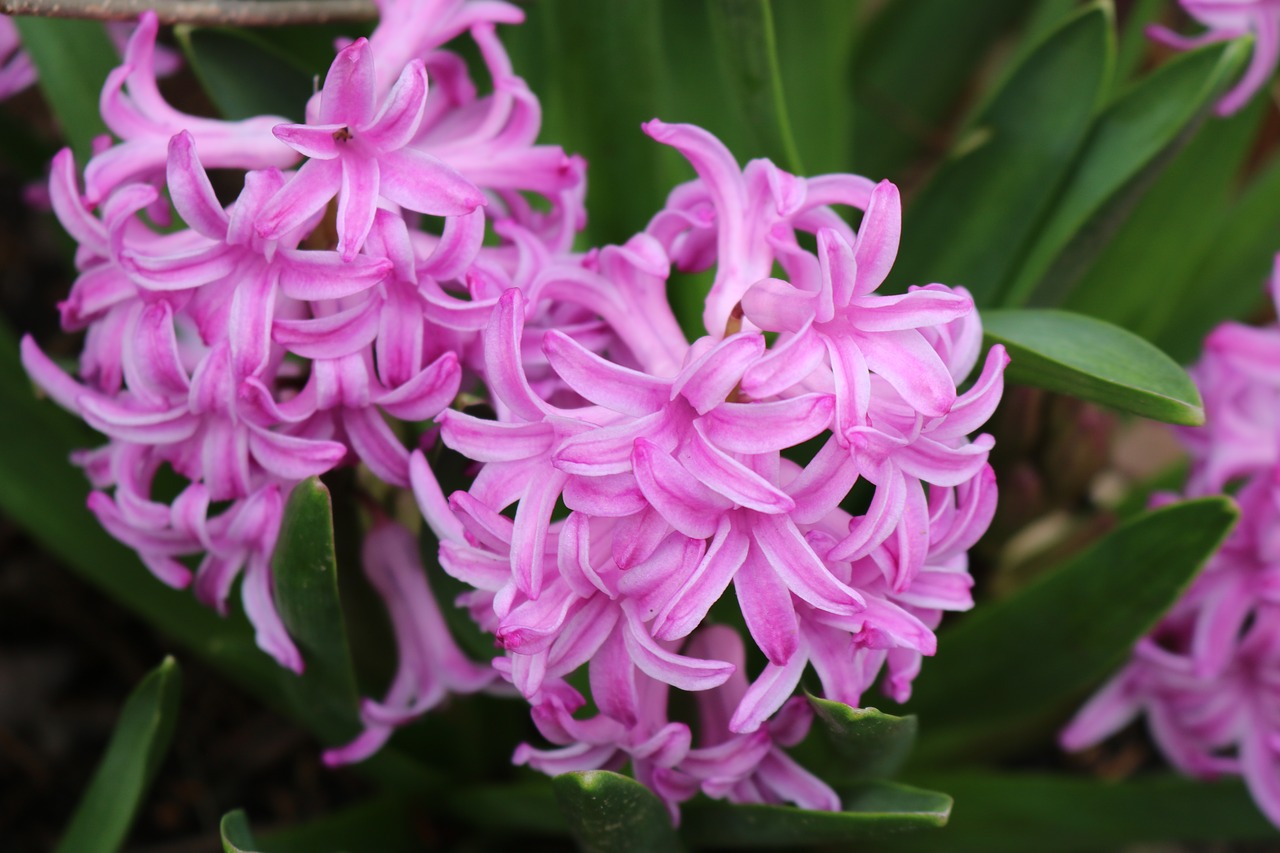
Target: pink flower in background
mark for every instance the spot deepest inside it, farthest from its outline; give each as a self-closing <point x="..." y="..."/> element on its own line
<point x="1207" y="678"/>
<point x="16" y="69"/>
<point x="431" y="666"/>
<point x="1230" y="19"/>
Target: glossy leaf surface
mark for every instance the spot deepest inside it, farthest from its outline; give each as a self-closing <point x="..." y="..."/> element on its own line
<point x="1017" y="812"/>
<point x="1014" y="661"/>
<point x="611" y="812"/>
<point x="232" y="65"/>
<point x="237" y="837"/>
<point x="1130" y="143"/>
<point x="306" y="593"/>
<point x="870" y="743"/>
<point x="967" y="224"/>
<point x="1093" y="360"/>
<point x="871" y="812"/>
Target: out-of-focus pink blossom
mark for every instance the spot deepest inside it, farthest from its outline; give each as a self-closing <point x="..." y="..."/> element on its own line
<point x="1230" y="19"/>
<point x="1207" y="678"/>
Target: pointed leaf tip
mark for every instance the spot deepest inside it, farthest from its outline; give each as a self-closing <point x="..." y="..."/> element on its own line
<point x="870" y="743"/>
<point x="610" y="812"/>
<point x="1094" y="360"/>
<point x="236" y="835"/>
<point x="138" y="745"/>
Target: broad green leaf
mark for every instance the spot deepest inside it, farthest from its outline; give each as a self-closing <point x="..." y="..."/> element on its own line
<point x="870" y="744"/>
<point x="611" y="812"/>
<point x="747" y="46"/>
<point x="815" y="57"/>
<point x="245" y="75"/>
<point x="1131" y="142"/>
<point x="71" y="87"/>
<point x="1144" y="273"/>
<point x="138" y="745"/>
<point x="599" y="77"/>
<point x="912" y="64"/>
<point x="306" y="594"/>
<point x="1230" y="281"/>
<point x="966" y="225"/>
<point x="1015" y="661"/>
<point x="237" y="837"/>
<point x="871" y="812"/>
<point x="1018" y="812"/>
<point x="693" y="85"/>
<point x="1095" y="361"/>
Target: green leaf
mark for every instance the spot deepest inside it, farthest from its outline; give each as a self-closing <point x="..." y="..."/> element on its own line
<point x="1014" y="661"/>
<point x="138" y="745"/>
<point x="901" y="101"/>
<point x="306" y="594"/>
<point x="871" y="812"/>
<point x="236" y="835"/>
<point x="1229" y="282"/>
<point x="967" y="223"/>
<point x="573" y="56"/>
<point x="747" y="46"/>
<point x="1143" y="275"/>
<point x="1093" y="360"/>
<point x="245" y="75"/>
<point x="71" y="87"/>
<point x="1017" y="812"/>
<point x="870" y="743"/>
<point x="1131" y="142"/>
<point x="815" y="58"/>
<point x="611" y="812"/>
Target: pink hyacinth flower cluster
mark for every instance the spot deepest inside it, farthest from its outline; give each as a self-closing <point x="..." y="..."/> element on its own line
<point x="1231" y="19"/>
<point x="406" y="253"/>
<point x="650" y="475"/>
<point x="1207" y="678"/>
<point x="244" y="346"/>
